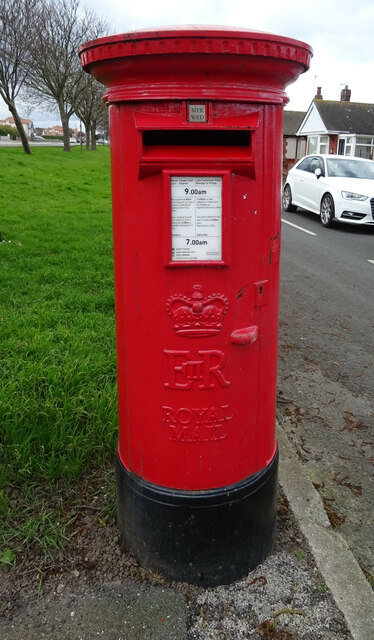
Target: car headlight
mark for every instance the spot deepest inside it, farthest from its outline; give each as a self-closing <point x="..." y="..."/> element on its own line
<point x="348" y="195"/>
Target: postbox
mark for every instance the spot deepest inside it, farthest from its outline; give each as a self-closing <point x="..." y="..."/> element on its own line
<point x="196" y="149"/>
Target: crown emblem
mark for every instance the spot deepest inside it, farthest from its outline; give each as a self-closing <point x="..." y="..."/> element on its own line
<point x="197" y="315"/>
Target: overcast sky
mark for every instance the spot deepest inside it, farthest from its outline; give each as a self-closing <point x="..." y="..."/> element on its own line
<point x="340" y="32"/>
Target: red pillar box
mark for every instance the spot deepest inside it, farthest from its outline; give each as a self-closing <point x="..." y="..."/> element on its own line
<point x="196" y="144"/>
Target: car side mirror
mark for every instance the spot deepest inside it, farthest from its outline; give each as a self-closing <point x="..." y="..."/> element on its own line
<point x="318" y="172"/>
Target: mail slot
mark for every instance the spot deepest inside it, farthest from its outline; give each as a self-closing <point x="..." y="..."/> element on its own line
<point x="196" y="148"/>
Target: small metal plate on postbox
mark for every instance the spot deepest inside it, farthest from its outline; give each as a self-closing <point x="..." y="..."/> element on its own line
<point x="196" y="113"/>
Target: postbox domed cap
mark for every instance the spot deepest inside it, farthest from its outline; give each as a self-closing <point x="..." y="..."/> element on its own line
<point x="195" y="61"/>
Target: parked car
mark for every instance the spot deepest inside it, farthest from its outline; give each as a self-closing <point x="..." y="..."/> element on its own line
<point x="335" y="187"/>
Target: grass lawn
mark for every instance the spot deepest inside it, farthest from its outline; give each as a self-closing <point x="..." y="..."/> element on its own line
<point x="57" y="350"/>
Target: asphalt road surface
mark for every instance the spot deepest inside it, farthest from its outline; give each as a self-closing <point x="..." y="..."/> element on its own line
<point x="326" y="367"/>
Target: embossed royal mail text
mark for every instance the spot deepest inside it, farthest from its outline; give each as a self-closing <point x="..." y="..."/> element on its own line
<point x="197" y="424"/>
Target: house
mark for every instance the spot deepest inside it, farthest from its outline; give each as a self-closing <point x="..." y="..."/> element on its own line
<point x="56" y="130"/>
<point x="27" y="125"/>
<point x="339" y="126"/>
<point x="294" y="147"/>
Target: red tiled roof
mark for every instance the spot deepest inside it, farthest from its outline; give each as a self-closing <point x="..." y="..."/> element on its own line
<point x="10" y="119"/>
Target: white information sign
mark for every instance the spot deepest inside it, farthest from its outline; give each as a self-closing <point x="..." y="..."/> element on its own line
<point x="196" y="216"/>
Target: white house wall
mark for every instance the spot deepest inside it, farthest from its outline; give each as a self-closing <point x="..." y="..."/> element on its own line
<point x="312" y="123"/>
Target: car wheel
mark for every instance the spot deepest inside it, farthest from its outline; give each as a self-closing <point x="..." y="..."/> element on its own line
<point x="287" y="199"/>
<point x="327" y="210"/>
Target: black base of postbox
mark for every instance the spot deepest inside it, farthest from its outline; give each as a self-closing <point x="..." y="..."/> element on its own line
<point x="204" y="537"/>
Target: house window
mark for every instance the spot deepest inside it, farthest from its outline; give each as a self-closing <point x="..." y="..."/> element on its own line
<point x="364" y="147"/>
<point x="348" y="146"/>
<point x="323" y="144"/>
<point x="312" y="144"/>
<point x="318" y="144"/>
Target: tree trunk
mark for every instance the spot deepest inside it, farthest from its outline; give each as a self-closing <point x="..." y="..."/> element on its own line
<point x="20" y="129"/>
<point x="65" y="129"/>
<point x="93" y="138"/>
<point x="87" y="130"/>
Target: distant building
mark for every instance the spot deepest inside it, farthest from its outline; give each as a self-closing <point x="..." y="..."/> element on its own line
<point x="294" y="146"/>
<point x="27" y="125"/>
<point x="339" y="126"/>
<point x="56" y="130"/>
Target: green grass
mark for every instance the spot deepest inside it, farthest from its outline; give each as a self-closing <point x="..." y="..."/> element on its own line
<point x="57" y="348"/>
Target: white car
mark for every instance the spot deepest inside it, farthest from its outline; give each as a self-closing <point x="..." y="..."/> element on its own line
<point x="335" y="187"/>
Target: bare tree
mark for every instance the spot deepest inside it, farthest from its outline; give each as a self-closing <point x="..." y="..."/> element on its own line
<point x="90" y="108"/>
<point x="17" y="22"/>
<point x="55" y="68"/>
<point x="100" y="120"/>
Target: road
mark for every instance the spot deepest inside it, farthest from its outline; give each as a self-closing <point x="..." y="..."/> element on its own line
<point x="48" y="143"/>
<point x="326" y="367"/>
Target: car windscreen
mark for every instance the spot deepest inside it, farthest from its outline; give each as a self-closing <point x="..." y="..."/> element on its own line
<point x="350" y="168"/>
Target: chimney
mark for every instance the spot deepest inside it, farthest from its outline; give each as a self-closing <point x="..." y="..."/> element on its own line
<point x="345" y="94"/>
<point x="318" y="95"/>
